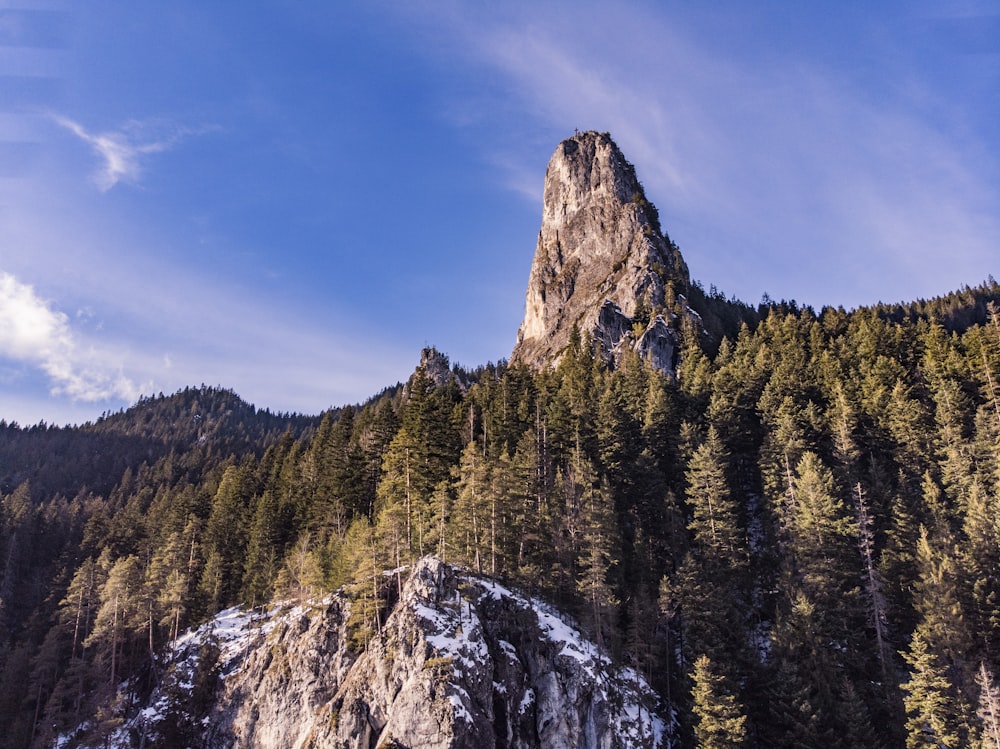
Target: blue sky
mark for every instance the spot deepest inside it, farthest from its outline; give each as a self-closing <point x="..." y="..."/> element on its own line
<point x="291" y="199"/>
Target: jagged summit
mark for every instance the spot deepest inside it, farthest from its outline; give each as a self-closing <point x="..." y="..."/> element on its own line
<point x="602" y="262"/>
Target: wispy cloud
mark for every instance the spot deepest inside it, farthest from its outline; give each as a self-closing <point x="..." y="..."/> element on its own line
<point x="753" y="165"/>
<point x="32" y="331"/>
<point x="123" y="151"/>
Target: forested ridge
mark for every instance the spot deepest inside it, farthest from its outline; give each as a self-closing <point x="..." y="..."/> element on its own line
<point x="797" y="539"/>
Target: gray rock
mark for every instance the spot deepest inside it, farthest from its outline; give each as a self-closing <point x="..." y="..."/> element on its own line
<point x="658" y="344"/>
<point x="436" y="367"/>
<point x="460" y="662"/>
<point x="602" y="263"/>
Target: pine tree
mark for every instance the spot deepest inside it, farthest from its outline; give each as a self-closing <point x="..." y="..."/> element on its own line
<point x="720" y="722"/>
<point x="979" y="559"/>
<point x="659" y="420"/>
<point x="437" y="523"/>
<point x="843" y="418"/>
<point x="301" y="576"/>
<point x="909" y="425"/>
<point x="168" y="579"/>
<point x="503" y="498"/>
<point x="933" y="712"/>
<point x="375" y="428"/>
<point x="821" y="546"/>
<point x="711" y="583"/>
<point x="802" y="700"/>
<point x="714" y="524"/>
<point x="391" y="528"/>
<point x="873" y="582"/>
<point x="599" y="548"/>
<point x="531" y="497"/>
<point x="570" y="413"/>
<point x="77" y="608"/>
<point x="618" y="433"/>
<point x="694" y="372"/>
<point x="226" y="534"/>
<point x="469" y="513"/>
<point x="263" y="549"/>
<point x="16" y="528"/>
<point x="399" y="491"/>
<point x="45" y="670"/>
<point x="434" y="444"/>
<point x="15" y="674"/>
<point x="366" y="564"/>
<point x="340" y="473"/>
<point x="120" y="617"/>
<point x="76" y="615"/>
<point x="938" y="600"/>
<point x="786" y="440"/>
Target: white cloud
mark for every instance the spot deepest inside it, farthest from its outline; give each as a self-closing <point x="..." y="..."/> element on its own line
<point x="32" y="331"/>
<point x="122" y="150"/>
<point x="168" y="325"/>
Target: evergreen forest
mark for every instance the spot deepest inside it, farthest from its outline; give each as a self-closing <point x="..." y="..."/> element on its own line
<point x="796" y="538"/>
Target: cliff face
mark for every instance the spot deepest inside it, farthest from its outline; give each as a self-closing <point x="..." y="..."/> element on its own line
<point x="459" y="662"/>
<point x="602" y="262"/>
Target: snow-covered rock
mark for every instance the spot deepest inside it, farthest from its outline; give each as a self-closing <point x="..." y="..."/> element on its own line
<point x="460" y="661"/>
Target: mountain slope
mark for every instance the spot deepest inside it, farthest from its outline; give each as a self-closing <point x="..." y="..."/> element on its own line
<point x="60" y="459"/>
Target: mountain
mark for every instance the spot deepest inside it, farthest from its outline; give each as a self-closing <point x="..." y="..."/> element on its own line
<point x="776" y="527"/>
<point x="60" y="459"/>
<point x="603" y="265"/>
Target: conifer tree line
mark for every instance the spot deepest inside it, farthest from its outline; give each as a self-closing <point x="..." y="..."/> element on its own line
<point x="796" y="539"/>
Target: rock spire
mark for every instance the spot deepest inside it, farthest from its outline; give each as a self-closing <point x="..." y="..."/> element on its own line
<point x="602" y="263"/>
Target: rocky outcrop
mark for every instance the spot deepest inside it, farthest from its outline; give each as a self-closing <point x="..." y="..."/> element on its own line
<point x="436" y="369"/>
<point x="460" y="662"/>
<point x="602" y="263"/>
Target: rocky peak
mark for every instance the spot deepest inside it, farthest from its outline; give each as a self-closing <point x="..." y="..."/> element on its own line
<point x="436" y="368"/>
<point x="602" y="263"/>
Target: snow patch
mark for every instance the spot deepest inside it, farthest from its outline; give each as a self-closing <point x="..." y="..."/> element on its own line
<point x="509" y="650"/>
<point x="235" y="631"/>
<point x="454" y="632"/>
<point x="526" y="701"/>
<point x="553" y="627"/>
<point x="460" y="711"/>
